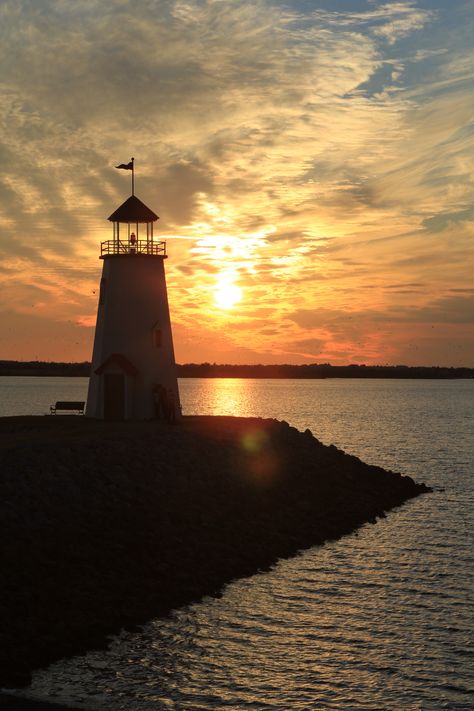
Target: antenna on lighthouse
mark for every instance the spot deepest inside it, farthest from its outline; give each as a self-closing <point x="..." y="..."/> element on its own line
<point x="129" y="166"/>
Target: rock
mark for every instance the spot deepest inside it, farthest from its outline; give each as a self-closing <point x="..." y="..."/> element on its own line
<point x="106" y="525"/>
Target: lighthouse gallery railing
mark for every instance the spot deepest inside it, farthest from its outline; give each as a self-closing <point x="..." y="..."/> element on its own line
<point x="138" y="247"/>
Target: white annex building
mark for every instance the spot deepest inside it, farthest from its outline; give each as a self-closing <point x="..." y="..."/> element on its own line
<point x="133" y="374"/>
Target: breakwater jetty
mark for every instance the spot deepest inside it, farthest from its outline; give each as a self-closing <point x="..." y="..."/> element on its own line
<point x="106" y="525"/>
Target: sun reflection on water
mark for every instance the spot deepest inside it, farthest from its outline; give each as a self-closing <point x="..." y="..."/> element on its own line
<point x="378" y="620"/>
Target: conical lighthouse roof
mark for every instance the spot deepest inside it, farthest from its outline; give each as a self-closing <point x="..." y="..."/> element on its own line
<point x="133" y="210"/>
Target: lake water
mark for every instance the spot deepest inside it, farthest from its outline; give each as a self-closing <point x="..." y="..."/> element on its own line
<point x="382" y="619"/>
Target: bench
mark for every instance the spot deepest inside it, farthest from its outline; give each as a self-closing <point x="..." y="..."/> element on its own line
<point x="68" y="406"/>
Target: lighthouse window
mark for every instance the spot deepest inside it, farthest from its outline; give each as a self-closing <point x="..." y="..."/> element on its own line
<point x="157" y="337"/>
<point x="103" y="284"/>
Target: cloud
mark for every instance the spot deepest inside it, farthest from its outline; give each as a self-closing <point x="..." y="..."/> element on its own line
<point x="408" y="20"/>
<point x="311" y="348"/>
<point x="445" y="309"/>
<point x="179" y="188"/>
<point x="307" y="153"/>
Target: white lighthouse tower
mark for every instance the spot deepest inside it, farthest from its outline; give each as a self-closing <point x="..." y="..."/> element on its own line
<point x="133" y="374"/>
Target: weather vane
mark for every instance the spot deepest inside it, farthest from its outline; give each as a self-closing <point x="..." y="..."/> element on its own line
<point x="129" y="166"/>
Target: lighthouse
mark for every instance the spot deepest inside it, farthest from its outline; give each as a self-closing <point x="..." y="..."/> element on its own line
<point x="133" y="373"/>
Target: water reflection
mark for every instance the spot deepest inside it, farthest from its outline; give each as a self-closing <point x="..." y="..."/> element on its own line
<point x="354" y="624"/>
<point x="378" y="620"/>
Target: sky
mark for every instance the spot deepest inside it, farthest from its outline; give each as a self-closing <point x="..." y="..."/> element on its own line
<point x="311" y="163"/>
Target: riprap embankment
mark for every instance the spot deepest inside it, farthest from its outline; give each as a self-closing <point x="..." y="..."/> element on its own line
<point x="105" y="525"/>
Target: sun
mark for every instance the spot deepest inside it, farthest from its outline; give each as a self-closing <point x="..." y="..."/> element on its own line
<point x="226" y="296"/>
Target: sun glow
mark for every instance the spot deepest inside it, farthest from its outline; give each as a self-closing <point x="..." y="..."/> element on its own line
<point x="226" y="296"/>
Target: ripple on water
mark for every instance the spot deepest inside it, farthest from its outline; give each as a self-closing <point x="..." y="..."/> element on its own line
<point x="342" y="626"/>
<point x="382" y="619"/>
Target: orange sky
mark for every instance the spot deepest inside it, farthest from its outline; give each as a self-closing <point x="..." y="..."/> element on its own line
<point x="311" y="163"/>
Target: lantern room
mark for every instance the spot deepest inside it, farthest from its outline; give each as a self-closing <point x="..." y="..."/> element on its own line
<point x="133" y="231"/>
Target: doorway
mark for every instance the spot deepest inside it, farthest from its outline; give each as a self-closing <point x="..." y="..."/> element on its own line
<point x="114" y="396"/>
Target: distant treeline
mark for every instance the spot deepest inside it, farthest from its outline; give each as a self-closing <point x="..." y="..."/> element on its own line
<point x="319" y="370"/>
<point x="38" y="367"/>
<point x="214" y="370"/>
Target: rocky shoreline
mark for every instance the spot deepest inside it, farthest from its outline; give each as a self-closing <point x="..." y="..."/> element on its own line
<point x="106" y="525"/>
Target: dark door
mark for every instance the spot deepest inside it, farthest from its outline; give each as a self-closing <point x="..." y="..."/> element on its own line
<point x="114" y="396"/>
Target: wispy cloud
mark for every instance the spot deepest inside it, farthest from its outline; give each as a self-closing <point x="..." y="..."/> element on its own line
<point x="308" y="153"/>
